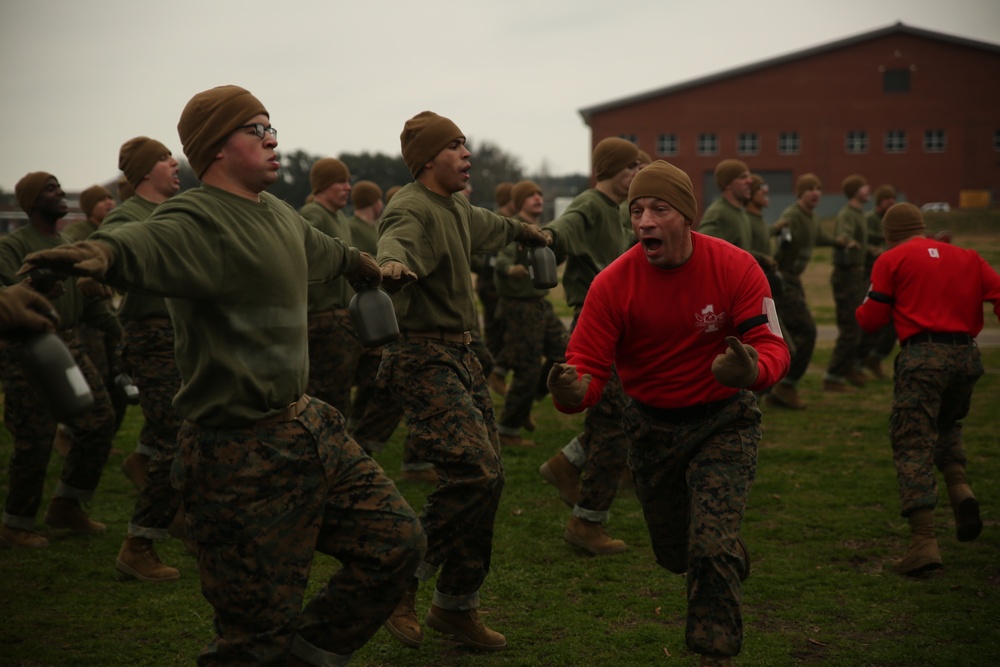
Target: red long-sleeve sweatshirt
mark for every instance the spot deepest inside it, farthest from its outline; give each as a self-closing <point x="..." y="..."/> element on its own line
<point x="662" y="328"/>
<point x="926" y="285"/>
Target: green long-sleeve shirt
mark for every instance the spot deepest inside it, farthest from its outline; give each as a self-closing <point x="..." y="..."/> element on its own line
<point x="234" y="273"/>
<point x="727" y="222"/>
<point x="435" y="237"/>
<point x="136" y="305"/>
<point x="591" y="235"/>
<point x="760" y="235"/>
<point x="79" y="231"/>
<point x="72" y="307"/>
<point x="508" y="286"/>
<point x="364" y="236"/>
<point x="793" y="255"/>
<point x="850" y="226"/>
<point x="336" y="294"/>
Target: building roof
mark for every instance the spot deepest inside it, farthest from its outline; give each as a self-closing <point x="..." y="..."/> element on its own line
<point x="897" y="28"/>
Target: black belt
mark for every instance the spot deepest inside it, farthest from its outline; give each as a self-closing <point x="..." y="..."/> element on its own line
<point x="939" y="338"/>
<point x="691" y="413"/>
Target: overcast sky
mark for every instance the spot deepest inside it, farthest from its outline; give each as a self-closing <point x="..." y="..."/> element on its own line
<point x="80" y="78"/>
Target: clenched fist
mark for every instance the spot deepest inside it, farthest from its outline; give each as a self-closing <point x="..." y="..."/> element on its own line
<point x="737" y="367"/>
<point x="567" y="386"/>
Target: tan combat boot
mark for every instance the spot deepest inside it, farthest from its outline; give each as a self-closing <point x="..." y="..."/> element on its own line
<point x="923" y="554"/>
<point x="138" y="559"/>
<point x="465" y="626"/>
<point x="563" y="475"/>
<point x="134" y="467"/>
<point x="964" y="505"/>
<point x="20" y="538"/>
<point x="591" y="536"/>
<point x="786" y="396"/>
<point x="403" y="623"/>
<point x="67" y="513"/>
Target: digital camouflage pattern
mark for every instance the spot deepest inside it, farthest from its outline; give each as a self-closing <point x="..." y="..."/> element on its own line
<point x="334" y="354"/>
<point x="452" y="425"/>
<point x="849" y="290"/>
<point x="932" y="393"/>
<point x="259" y="502"/>
<point x="797" y="324"/>
<point x="32" y="429"/>
<point x="532" y="332"/>
<point x="147" y="353"/>
<point x="693" y="480"/>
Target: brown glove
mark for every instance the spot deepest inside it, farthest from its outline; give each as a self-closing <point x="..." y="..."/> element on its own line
<point x="532" y="235"/>
<point x="566" y="386"/>
<point x="365" y="273"/>
<point x="395" y="275"/>
<point x="23" y="310"/>
<point x="92" y="289"/>
<point x="83" y="258"/>
<point x="738" y="366"/>
<point x="517" y="271"/>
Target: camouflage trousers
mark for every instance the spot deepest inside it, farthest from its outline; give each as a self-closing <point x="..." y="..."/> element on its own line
<point x="259" y="502"/>
<point x="334" y="353"/>
<point x="33" y="428"/>
<point x="95" y="345"/>
<point x="531" y="331"/>
<point x="932" y="393"/>
<point x="364" y="384"/>
<point x="449" y="411"/>
<point x="849" y="289"/>
<point x="798" y="325"/>
<point x="147" y="352"/>
<point x="693" y="480"/>
<point x="601" y="451"/>
<point x="493" y="323"/>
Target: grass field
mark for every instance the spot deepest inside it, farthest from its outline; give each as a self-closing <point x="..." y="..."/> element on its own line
<point x="823" y="528"/>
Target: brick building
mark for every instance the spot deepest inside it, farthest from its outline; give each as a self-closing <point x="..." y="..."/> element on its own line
<point x="900" y="105"/>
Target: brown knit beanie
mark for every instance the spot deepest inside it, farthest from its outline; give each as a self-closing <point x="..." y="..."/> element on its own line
<point x="522" y="191"/>
<point x="365" y="193"/>
<point x="424" y="136"/>
<point x="611" y="155"/>
<point x="756" y="182"/>
<point x="90" y="197"/>
<point x="852" y="184"/>
<point x="728" y="171"/>
<point x="805" y="183"/>
<point x="392" y="191"/>
<point x="138" y="156"/>
<point x="326" y="172"/>
<point x="208" y="119"/>
<point x="884" y="192"/>
<point x="902" y="221"/>
<point x="665" y="181"/>
<point x="502" y="194"/>
<point x="29" y="187"/>
<point x="644" y="157"/>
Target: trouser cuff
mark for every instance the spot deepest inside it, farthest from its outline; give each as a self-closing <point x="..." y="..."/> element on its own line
<point x="455" y="602"/>
<point x="574" y="452"/>
<point x="19" y="522"/>
<point x="148" y="533"/>
<point x="425" y="571"/>
<point x="591" y="515"/>
<point x="64" y="490"/>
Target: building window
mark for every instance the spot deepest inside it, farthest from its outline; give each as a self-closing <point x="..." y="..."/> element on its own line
<point x="748" y="143"/>
<point x="788" y="143"/>
<point x="895" y="141"/>
<point x="857" y="141"/>
<point x="708" y="144"/>
<point x="934" y="141"/>
<point x="630" y="137"/>
<point x="666" y="144"/>
<point x="896" y="81"/>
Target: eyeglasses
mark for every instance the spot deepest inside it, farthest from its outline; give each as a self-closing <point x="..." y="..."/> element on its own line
<point x="260" y="129"/>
